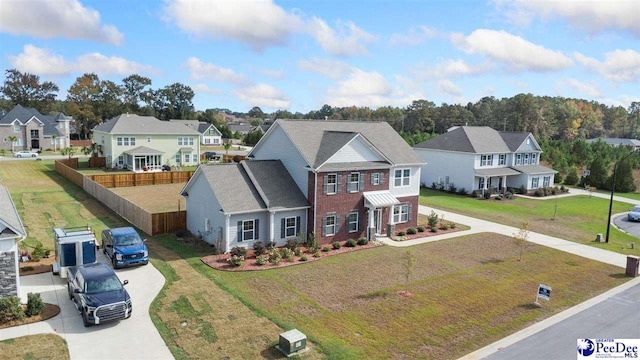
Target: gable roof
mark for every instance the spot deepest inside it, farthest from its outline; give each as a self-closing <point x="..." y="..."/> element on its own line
<point x="201" y="126"/>
<point x="251" y="186"/>
<point x="317" y="140"/>
<point x="239" y="127"/>
<point x="477" y="140"/>
<point x="10" y="223"/>
<point x="142" y="125"/>
<point x="24" y="115"/>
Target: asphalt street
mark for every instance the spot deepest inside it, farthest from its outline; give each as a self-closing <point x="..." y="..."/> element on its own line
<point x="624" y="224"/>
<point x="618" y="317"/>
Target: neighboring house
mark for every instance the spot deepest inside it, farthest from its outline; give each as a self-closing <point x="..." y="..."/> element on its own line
<point x="481" y="158"/>
<point x="34" y="130"/>
<point x="11" y="233"/>
<point x="238" y="204"/>
<point x="209" y="134"/>
<point x="242" y="129"/>
<point x="634" y="143"/>
<point x="361" y="178"/>
<point x="144" y="143"/>
<point x="262" y="128"/>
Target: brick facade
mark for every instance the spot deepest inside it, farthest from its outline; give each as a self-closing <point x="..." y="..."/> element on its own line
<point x="8" y="276"/>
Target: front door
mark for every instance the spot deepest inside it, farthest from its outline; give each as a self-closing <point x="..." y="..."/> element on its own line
<point x="35" y="143"/>
<point x="500" y="184"/>
<point x="377" y="220"/>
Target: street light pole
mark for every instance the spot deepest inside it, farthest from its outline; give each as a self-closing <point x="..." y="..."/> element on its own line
<point x="613" y="186"/>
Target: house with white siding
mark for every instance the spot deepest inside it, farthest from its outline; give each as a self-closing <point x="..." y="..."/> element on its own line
<point x="481" y="158"/>
<point x="209" y="133"/>
<point x="11" y="233"/>
<point x="145" y="143"/>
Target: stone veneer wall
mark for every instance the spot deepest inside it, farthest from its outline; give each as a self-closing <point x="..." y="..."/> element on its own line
<point x="8" y="276"/>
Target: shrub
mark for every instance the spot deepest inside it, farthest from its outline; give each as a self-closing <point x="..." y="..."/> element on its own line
<point x="350" y="243"/>
<point x="462" y="191"/>
<point x="572" y="177"/>
<point x="10" y="309"/>
<point x="311" y="243"/>
<point x="402" y="233"/>
<point x="432" y="219"/>
<point x="275" y="257"/>
<point x="258" y="247"/>
<point x="303" y="258"/>
<point x="538" y="193"/>
<point x="421" y="228"/>
<point x="35" y="305"/>
<point x="262" y="259"/>
<point x="433" y="229"/>
<point x="235" y="260"/>
<point x="271" y="245"/>
<point x="336" y="245"/>
<point x="452" y="225"/>
<point x="499" y="197"/>
<point x="292" y="244"/>
<point x="509" y="195"/>
<point x="238" y="251"/>
<point x="563" y="189"/>
<point x="443" y="225"/>
<point x="363" y="241"/>
<point x="412" y="231"/>
<point x="452" y="188"/>
<point x="38" y="252"/>
<point x="326" y="249"/>
<point x="523" y="190"/>
<point x="441" y="186"/>
<point x="433" y="185"/>
<point x="287" y="254"/>
<point x="297" y="251"/>
<point x="316" y="254"/>
<point x="487" y="194"/>
<point x="475" y="193"/>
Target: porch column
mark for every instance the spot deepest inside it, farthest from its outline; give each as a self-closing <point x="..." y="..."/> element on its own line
<point x="271" y="225"/>
<point x="371" y="229"/>
<point x="391" y="226"/>
<point x="227" y="238"/>
<point x="504" y="184"/>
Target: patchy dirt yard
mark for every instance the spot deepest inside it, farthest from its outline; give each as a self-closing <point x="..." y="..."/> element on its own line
<point x="154" y="198"/>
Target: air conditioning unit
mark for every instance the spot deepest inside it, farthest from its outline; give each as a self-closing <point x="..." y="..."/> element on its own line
<point x="292" y="341"/>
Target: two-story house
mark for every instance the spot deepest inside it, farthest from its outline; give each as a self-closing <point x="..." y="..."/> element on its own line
<point x="209" y="133"/>
<point x="359" y="179"/>
<point x="481" y="158"/>
<point x="145" y="143"/>
<point x="33" y="130"/>
<point x="11" y="233"/>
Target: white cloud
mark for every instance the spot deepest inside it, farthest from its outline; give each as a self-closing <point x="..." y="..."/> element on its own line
<point x="348" y="40"/>
<point x="515" y="52"/>
<point x="272" y="73"/>
<point x="589" y="89"/>
<point x="619" y="65"/>
<point x="450" y="88"/>
<point x="44" y="62"/>
<point x="263" y="95"/>
<point x="199" y="70"/>
<point x="203" y="88"/>
<point x="449" y="68"/>
<point x="60" y="18"/>
<point x="371" y="89"/>
<point x="415" y="36"/>
<point x="326" y="67"/>
<point x="592" y="16"/>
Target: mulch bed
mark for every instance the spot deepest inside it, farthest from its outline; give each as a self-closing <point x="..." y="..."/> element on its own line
<point x="49" y="311"/>
<point x="425" y="234"/>
<point x="219" y="262"/>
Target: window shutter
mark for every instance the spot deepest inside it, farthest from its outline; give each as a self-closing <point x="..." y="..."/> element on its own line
<point x="361" y="177"/>
<point x="337" y="223"/>
<point x="326" y="181"/>
<point x="381" y="178"/>
<point x="338" y="182"/>
<point x="257" y="229"/>
<point x="239" y="230"/>
<point x="372" y="175"/>
<point x="282" y="228"/>
<point x="324" y="226"/>
<point x="297" y="225"/>
<point x="409" y="211"/>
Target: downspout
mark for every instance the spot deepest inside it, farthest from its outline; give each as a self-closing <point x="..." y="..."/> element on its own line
<point x="315" y="198"/>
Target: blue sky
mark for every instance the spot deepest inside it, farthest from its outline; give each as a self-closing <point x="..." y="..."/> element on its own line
<point x="299" y="55"/>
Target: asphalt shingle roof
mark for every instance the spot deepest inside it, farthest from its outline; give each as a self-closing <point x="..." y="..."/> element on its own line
<point x="616" y="141"/>
<point x="10" y="223"/>
<point x="25" y="114"/>
<point x="142" y="125"/>
<point x="534" y="169"/>
<point x="476" y="139"/>
<point x="309" y="137"/>
<point x="232" y="187"/>
<point x="274" y="184"/>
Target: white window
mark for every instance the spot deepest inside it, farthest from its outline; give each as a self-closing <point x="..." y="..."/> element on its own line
<point x="216" y="141"/>
<point x="16" y="127"/>
<point x="534" y="182"/>
<point x="179" y="140"/>
<point x="375" y="179"/>
<point x="186" y="158"/>
<point x="502" y="160"/>
<point x="481" y="183"/>
<point x="102" y="139"/>
<point x="248" y="231"/>
<point x="352" y="222"/>
<point x="120" y="160"/>
<point x="546" y="181"/>
<point x="518" y="159"/>
<point x="354" y="182"/>
<point x="125" y="141"/>
<point x="329" y="224"/>
<point x="400" y="213"/>
<point x="178" y="159"/>
<point x="290" y="226"/>
<point x="526" y="159"/>
<point x="207" y="141"/>
<point x="133" y="141"/>
<point x="190" y="141"/>
<point x="119" y="141"/>
<point x="534" y="159"/>
<point x="331" y="184"/>
<point x="446" y="180"/>
<point x="486" y="160"/>
<point x="402" y="177"/>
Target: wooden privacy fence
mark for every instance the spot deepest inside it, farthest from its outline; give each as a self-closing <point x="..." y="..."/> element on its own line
<point x="150" y="223"/>
<point x="141" y="179"/>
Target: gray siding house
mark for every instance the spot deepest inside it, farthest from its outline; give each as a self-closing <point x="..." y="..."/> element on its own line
<point x="11" y="233"/>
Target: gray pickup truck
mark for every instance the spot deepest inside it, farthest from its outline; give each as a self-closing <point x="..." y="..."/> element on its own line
<point x="98" y="293"/>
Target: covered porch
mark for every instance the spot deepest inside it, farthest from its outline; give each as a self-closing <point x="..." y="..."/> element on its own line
<point x="494" y="179"/>
<point x="376" y="202"/>
<point x="142" y="159"/>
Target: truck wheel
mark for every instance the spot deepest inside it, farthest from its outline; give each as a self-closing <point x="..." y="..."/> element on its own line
<point x="85" y="321"/>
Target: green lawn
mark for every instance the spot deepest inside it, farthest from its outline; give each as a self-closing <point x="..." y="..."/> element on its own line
<point x="577" y="218"/>
<point x="466" y="293"/>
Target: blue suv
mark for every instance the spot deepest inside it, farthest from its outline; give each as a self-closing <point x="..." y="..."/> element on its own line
<point x="124" y="247"/>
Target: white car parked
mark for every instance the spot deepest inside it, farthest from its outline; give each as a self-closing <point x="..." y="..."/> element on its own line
<point x="25" y="153"/>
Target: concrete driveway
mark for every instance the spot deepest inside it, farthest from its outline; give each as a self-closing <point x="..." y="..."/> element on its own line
<point x="134" y="338"/>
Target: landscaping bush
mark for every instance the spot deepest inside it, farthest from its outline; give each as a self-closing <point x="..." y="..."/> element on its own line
<point x="523" y="190"/>
<point x="238" y="251"/>
<point x="326" y="249"/>
<point x="363" y="241"/>
<point x="235" y="260"/>
<point x="538" y="193"/>
<point x="433" y="229"/>
<point x="311" y="243"/>
<point x="261" y="259"/>
<point x="499" y="197"/>
<point x="292" y="244"/>
<point x="412" y="231"/>
<point x="350" y="243"/>
<point x="509" y="195"/>
<point x="462" y="191"/>
<point x="441" y="186"/>
<point x="421" y="228"/>
<point x="287" y="254"/>
<point x="275" y="257"/>
<point x="258" y="248"/>
<point x="402" y="233"/>
<point x="434" y="186"/>
<point x="432" y="219"/>
<point x="487" y="194"/>
<point x="336" y="245"/>
<point x="452" y="188"/>
<point x="10" y="309"/>
<point x="476" y="193"/>
<point x="452" y="225"/>
<point x="38" y="252"/>
<point x="316" y="254"/>
<point x="572" y="177"/>
<point x="35" y="305"/>
<point x="443" y="225"/>
<point x="303" y="258"/>
<point x="271" y="245"/>
<point x="297" y="251"/>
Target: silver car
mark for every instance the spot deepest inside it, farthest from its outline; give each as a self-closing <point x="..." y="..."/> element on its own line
<point x="25" y="153"/>
<point x="634" y="214"/>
